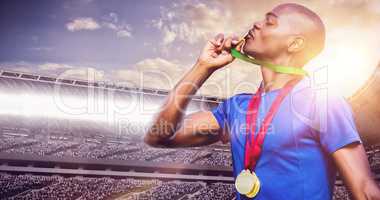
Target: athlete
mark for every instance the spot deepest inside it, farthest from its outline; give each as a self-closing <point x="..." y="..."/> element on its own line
<point x="309" y="135"/>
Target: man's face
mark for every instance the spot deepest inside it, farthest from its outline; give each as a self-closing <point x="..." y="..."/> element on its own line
<point x="269" y="37"/>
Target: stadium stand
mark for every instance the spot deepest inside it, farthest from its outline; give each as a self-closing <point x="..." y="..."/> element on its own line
<point x="127" y="150"/>
<point x="32" y="187"/>
<point x="31" y="140"/>
<point x="56" y="187"/>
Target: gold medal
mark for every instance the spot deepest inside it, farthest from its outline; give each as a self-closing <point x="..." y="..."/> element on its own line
<point x="247" y="183"/>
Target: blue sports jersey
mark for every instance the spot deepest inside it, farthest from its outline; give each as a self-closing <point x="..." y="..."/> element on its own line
<point x="308" y="127"/>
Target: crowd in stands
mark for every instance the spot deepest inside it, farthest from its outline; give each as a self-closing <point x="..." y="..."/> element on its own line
<point x="220" y="158"/>
<point x="168" y="190"/>
<point x="29" y="186"/>
<point x="41" y="145"/>
<point x="185" y="156"/>
<point x="341" y="193"/>
<point x="128" y="149"/>
<point x="15" y="142"/>
<point x="12" y="185"/>
<point x="373" y="153"/>
<point x="215" y="191"/>
<point x="33" y="187"/>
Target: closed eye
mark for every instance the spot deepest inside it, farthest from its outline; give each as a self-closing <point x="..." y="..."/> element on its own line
<point x="270" y="19"/>
<point x="269" y="23"/>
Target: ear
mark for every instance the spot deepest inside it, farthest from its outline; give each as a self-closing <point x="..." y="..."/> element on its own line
<point x="296" y="44"/>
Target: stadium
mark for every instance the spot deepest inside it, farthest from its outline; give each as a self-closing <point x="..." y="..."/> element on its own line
<point x="72" y="158"/>
<point x="88" y="159"/>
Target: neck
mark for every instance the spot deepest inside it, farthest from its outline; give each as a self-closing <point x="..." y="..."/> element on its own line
<point x="273" y="80"/>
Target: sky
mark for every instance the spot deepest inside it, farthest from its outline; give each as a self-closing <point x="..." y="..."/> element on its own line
<point x="153" y="43"/>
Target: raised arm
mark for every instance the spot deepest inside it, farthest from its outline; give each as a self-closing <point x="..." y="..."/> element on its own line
<point x="169" y="129"/>
<point x="353" y="166"/>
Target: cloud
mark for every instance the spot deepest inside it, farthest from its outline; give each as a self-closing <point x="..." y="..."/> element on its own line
<point x="152" y="73"/>
<point x="20" y="66"/>
<point x="110" y="21"/>
<point x="161" y="73"/>
<point x="114" y="17"/>
<point x="54" y="67"/>
<point x="193" y="22"/>
<point x="40" y="48"/>
<point x="159" y="64"/>
<point x="169" y="36"/>
<point x="110" y="25"/>
<point x="156" y="73"/>
<point x="157" y="23"/>
<point x="351" y="27"/>
<point x="124" y="33"/>
<point x="84" y="23"/>
<point x="23" y="69"/>
<point x="71" y="71"/>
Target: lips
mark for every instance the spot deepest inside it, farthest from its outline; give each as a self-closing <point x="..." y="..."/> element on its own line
<point x="249" y="35"/>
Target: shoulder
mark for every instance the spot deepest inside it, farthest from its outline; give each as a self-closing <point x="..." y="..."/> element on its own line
<point x="330" y="105"/>
<point x="330" y="99"/>
<point x="308" y="93"/>
<point x="313" y="102"/>
<point x="238" y="98"/>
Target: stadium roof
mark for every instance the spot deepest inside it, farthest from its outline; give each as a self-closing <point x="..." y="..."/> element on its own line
<point x="102" y="84"/>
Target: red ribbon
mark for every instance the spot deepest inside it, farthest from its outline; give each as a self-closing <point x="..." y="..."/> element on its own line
<point x="253" y="145"/>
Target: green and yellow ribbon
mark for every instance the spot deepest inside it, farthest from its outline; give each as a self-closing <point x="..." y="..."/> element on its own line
<point x="277" y="68"/>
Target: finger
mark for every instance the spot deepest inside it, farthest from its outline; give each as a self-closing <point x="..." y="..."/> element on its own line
<point x="219" y="38"/>
<point x="240" y="44"/>
<point x="235" y="40"/>
<point x="222" y="43"/>
<point x="228" y="43"/>
<point x="214" y="42"/>
<point x="221" y="47"/>
<point x="225" y="58"/>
